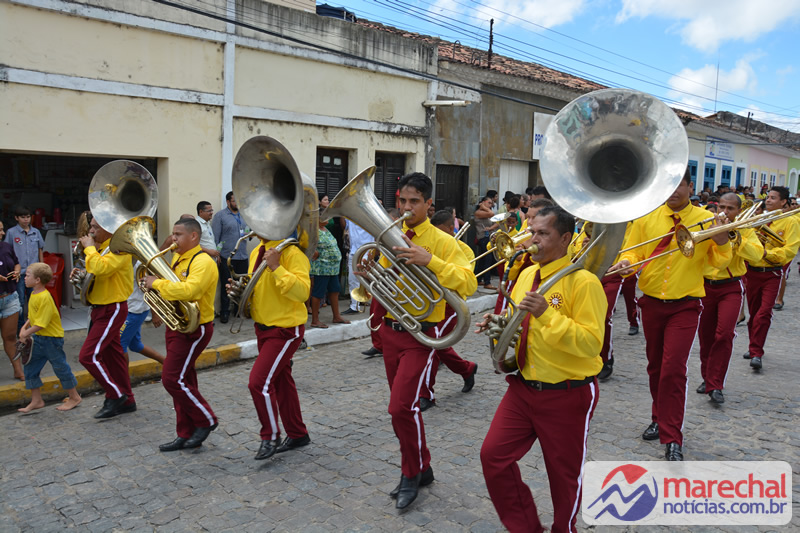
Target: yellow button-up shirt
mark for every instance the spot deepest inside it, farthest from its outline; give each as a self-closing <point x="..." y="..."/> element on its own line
<point x="750" y="250"/>
<point x="113" y="275"/>
<point x="565" y="341"/>
<point x="42" y="312"/>
<point x="198" y="282"/>
<point x="674" y="276"/>
<point x="789" y="229"/>
<point x="279" y="296"/>
<point x="468" y="253"/>
<point x="449" y="265"/>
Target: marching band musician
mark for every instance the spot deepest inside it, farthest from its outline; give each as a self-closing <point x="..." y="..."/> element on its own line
<point x="101" y="353"/>
<point x="763" y="278"/>
<point x="721" y="304"/>
<point x="198" y="276"/>
<point x="554" y="395"/>
<point x="279" y="311"/>
<point x="406" y="359"/>
<point x="670" y="308"/>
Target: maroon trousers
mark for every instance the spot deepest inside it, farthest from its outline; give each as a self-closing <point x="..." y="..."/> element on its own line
<point x="559" y="419"/>
<point x="629" y="293"/>
<point x="762" y="291"/>
<point x="271" y="384"/>
<point x="669" y="332"/>
<point x="407" y="363"/>
<point x="448" y="356"/>
<point x="101" y="353"/>
<point x="179" y="378"/>
<point x="612" y="285"/>
<point x="376" y="313"/>
<point x="717" y="331"/>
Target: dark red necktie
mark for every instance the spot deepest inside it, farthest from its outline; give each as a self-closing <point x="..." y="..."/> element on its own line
<point x="522" y="344"/>
<point x="260" y="257"/>
<point x="410" y="234"/>
<point x="663" y="243"/>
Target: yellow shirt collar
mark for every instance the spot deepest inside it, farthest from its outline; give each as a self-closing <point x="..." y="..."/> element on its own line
<point x="420" y="229"/>
<point x="188" y="253"/>
<point x="554" y="266"/>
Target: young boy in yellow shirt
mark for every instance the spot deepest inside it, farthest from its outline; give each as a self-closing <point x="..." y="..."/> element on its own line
<point x="44" y="322"/>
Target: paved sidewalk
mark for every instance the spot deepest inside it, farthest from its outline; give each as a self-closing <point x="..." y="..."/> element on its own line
<point x="68" y="471"/>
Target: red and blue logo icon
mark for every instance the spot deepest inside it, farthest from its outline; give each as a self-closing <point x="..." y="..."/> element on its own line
<point x="630" y="493"/>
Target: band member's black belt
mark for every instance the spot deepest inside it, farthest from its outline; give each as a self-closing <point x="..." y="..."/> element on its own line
<point x="397" y="326"/>
<point x="561" y="385"/>
<point x="264" y="327"/>
<point x="764" y="269"/>
<point x="722" y="281"/>
<point x="684" y="299"/>
<point x="97" y="306"/>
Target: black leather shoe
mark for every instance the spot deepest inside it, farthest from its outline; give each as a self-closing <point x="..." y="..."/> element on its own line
<point x="267" y="449"/>
<point x="746" y="355"/>
<point x="408" y="491"/>
<point x="425" y="404"/>
<point x="716" y="396"/>
<point x="755" y="362"/>
<point x="426" y="478"/>
<point x="372" y="352"/>
<point x="177" y="444"/>
<point x="673" y="452"/>
<point x="290" y="444"/>
<point x="224" y="319"/>
<point x="111" y="407"/>
<point x="127" y="408"/>
<point x="199" y="435"/>
<point x="469" y="381"/>
<point x="633" y="330"/>
<point x="651" y="433"/>
<point x="606" y="371"/>
<point x="702" y="388"/>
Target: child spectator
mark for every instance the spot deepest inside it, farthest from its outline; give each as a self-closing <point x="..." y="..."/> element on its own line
<point x="325" y="270"/>
<point x="131" y="336"/>
<point x="44" y="323"/>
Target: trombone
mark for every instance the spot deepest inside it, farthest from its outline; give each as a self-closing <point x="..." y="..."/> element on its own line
<point x="504" y="248"/>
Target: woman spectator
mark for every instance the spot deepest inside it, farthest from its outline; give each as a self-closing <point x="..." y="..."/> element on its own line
<point x="325" y="272"/>
<point x="9" y="302"/>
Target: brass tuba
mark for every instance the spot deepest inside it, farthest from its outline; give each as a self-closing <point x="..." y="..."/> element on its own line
<point x="277" y="201"/>
<point x="400" y="284"/>
<point x="120" y="190"/>
<point x="610" y="156"/>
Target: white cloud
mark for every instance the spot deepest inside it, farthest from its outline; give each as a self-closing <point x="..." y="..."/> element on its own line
<point x="543" y="12"/>
<point x="700" y="83"/>
<point x="706" y="24"/>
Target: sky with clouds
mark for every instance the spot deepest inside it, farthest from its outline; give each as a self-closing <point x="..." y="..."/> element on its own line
<point x="699" y="55"/>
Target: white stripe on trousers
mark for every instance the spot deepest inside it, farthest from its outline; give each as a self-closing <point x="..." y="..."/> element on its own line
<point x="97" y="350"/>
<point x="415" y="405"/>
<point x="583" y="457"/>
<point x="185" y="389"/>
<point x="272" y="419"/>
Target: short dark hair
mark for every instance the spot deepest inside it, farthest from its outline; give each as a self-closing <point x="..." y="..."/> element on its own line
<point x="513" y="201"/>
<point x="229" y="196"/>
<point x="201" y="206"/>
<point x="321" y="196"/>
<point x="538" y="203"/>
<point x="782" y="191"/>
<point x="419" y="181"/>
<point x="190" y="224"/>
<point x="687" y="177"/>
<point x="529" y="190"/>
<point x="491" y="193"/>
<point x="442" y="217"/>
<point x="22" y="211"/>
<point x="564" y="222"/>
<point x="732" y="195"/>
<point x="541" y="190"/>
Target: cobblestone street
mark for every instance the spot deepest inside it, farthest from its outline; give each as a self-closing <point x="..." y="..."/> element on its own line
<point x="68" y="471"/>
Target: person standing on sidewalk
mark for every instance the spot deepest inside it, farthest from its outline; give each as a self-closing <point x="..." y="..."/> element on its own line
<point x="197" y="273"/>
<point x="102" y="353"/>
<point x="28" y="244"/>
<point x="279" y="313"/>
<point x="9" y="302"/>
<point x="229" y="226"/>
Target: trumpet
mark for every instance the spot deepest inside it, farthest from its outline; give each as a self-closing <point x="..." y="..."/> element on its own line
<point x="504" y="248"/>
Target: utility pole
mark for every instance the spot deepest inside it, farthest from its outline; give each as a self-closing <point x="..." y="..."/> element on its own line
<point x="491" y="40"/>
<point x="747" y="124"/>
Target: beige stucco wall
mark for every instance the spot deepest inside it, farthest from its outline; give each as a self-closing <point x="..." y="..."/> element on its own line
<point x="184" y="137"/>
<point x="51" y="42"/>
<point x="305" y="86"/>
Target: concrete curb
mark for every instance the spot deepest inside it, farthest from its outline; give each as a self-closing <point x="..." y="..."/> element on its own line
<point x="17" y="395"/>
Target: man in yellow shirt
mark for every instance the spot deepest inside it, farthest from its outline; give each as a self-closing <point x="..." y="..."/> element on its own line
<point x="763" y="278"/>
<point x="670" y="308"/>
<point x="198" y="275"/>
<point x="554" y="395"/>
<point x="407" y="361"/>
<point x="280" y="315"/>
<point x="101" y="353"/>
<point x="721" y="304"/>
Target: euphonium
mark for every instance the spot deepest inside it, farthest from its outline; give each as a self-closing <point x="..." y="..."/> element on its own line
<point x="120" y="190"/>
<point x="135" y="237"/>
<point x="611" y="156"/>
<point x="400" y="284"/>
<point x="277" y="201"/>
